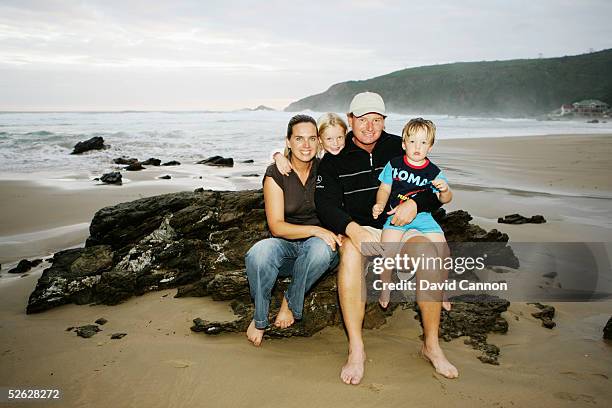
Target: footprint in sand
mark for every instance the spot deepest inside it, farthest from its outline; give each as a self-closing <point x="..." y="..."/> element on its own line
<point x="568" y="396"/>
<point x="179" y="363"/>
<point x="375" y="387"/>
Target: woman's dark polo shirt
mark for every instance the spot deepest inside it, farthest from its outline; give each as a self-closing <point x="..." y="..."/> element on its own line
<point x="299" y="199"/>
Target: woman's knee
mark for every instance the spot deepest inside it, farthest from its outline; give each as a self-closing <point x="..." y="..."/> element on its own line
<point x="318" y="251"/>
<point x="263" y="252"/>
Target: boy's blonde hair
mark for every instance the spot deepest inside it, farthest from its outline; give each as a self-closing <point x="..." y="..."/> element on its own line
<point x="416" y="124"/>
<point x="330" y="120"/>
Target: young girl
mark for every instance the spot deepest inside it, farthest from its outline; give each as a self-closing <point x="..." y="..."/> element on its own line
<point x="332" y="137"/>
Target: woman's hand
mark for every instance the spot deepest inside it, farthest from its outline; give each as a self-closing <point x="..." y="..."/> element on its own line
<point x="329" y="237"/>
<point x="282" y="164"/>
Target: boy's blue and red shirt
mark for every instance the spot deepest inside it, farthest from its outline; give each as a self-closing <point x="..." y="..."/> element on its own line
<point x="406" y="179"/>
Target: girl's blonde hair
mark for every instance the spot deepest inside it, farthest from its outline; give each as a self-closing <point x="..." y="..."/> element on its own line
<point x="330" y="120"/>
<point x="414" y="125"/>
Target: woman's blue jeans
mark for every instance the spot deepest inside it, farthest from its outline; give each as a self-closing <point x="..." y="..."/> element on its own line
<point x="304" y="260"/>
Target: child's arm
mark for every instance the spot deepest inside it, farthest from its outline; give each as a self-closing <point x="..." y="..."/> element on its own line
<point x="382" y="195"/>
<point x="282" y="163"/>
<point x="445" y="194"/>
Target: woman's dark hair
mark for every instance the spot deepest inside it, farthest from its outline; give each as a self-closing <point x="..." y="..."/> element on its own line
<point x="299" y="119"/>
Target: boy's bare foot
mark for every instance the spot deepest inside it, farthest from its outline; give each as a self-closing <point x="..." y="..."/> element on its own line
<point x="384" y="298"/>
<point x="254" y="334"/>
<point x="352" y="371"/>
<point x="446" y="305"/>
<point x="284" y="318"/>
<point x="437" y="358"/>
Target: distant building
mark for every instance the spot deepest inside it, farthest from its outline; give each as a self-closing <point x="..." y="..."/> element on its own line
<point x="590" y="107"/>
<point x="566" y="109"/>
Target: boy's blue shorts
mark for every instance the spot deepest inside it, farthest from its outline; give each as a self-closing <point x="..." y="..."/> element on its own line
<point x="423" y="222"/>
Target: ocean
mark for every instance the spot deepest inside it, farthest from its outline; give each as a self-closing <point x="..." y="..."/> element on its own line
<point x="41" y="142"/>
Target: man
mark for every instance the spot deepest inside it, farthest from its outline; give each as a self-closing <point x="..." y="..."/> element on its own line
<point x="346" y="191"/>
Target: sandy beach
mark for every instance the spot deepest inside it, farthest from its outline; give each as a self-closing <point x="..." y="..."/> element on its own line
<point x="161" y="363"/>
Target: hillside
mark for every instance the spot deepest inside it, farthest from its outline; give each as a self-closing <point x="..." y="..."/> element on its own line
<point x="526" y="87"/>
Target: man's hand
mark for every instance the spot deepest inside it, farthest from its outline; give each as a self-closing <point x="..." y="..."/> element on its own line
<point x="440" y="185"/>
<point x="377" y="209"/>
<point x="403" y="213"/>
<point x="363" y="240"/>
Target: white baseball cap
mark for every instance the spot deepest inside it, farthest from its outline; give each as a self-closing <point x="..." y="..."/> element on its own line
<point x="367" y="102"/>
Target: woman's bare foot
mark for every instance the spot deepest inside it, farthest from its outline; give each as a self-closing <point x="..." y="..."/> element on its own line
<point x="384" y="298"/>
<point x="352" y="371"/>
<point x="436" y="357"/>
<point x="284" y="318"/>
<point x="254" y="334"/>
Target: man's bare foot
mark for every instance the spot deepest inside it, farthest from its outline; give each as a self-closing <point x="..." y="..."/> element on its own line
<point x="254" y="334"/>
<point x="384" y="298"/>
<point x="437" y="358"/>
<point x="284" y="318"/>
<point x="352" y="371"/>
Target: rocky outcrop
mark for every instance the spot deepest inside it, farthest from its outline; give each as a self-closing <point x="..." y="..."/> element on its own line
<point x="607" y="331"/>
<point x="112" y="178"/>
<point x="197" y="242"/>
<point x="125" y="160"/>
<point x="95" y="143"/>
<point x="136" y="166"/>
<point x="172" y="163"/>
<point x="545" y="314"/>
<point x="25" y="265"/>
<point x="519" y="219"/>
<point x="152" y="162"/>
<point x="218" y="161"/>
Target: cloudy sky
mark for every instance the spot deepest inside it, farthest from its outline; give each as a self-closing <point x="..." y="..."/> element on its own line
<point x="194" y="55"/>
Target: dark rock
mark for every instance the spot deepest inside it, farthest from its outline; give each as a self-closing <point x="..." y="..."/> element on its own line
<point x="25" y="265"/>
<point x="125" y="160"/>
<point x="116" y="336"/>
<point x="197" y="242"/>
<point x="593" y="121"/>
<point x="550" y="275"/>
<point x="198" y="190"/>
<point x="135" y="167"/>
<point x="607" y="331"/>
<point x="70" y="328"/>
<point x="519" y="219"/>
<point x="249" y="161"/>
<point x="172" y="163"/>
<point x="112" y="178"/>
<point x="165" y="177"/>
<point x="95" y="143"/>
<point x="72" y="277"/>
<point x="87" y="331"/>
<point x="218" y="161"/>
<point x="545" y="314"/>
<point x="152" y="162"/>
<point x="474" y="316"/>
<point x="101" y="321"/>
<point x="251" y="175"/>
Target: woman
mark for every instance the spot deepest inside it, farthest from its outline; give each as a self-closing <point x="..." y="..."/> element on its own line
<point x="301" y="248"/>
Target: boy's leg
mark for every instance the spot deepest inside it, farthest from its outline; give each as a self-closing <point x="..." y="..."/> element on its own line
<point x="389" y="236"/>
